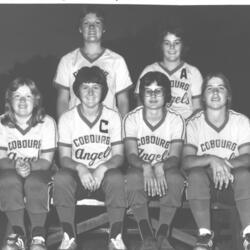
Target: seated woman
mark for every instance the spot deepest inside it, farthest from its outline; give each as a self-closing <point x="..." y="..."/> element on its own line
<point x="27" y="145"/>
<point x="217" y="159"/>
<point x="153" y="141"/>
<point x="90" y="152"/>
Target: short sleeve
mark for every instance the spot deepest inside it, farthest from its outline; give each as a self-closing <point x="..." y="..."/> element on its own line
<point x="197" y="81"/>
<point x="116" y="129"/>
<point x="130" y="127"/>
<point x="3" y="138"/>
<point x="123" y="80"/>
<point x="49" y="135"/>
<point x="243" y="126"/>
<point x="61" y="78"/>
<point x="65" y="130"/>
<point x="137" y="87"/>
<point x="191" y="135"/>
<point x="179" y="129"/>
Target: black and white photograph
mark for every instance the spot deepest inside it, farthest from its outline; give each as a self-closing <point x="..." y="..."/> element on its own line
<point x="124" y="125"/>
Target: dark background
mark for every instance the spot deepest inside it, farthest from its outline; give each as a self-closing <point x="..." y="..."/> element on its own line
<point x="35" y="36"/>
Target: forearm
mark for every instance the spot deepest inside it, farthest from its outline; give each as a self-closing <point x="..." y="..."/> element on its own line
<point x="6" y="163"/>
<point x="194" y="161"/>
<point x="242" y="161"/>
<point x="114" y="162"/>
<point x="135" y="161"/>
<point x="62" y="106"/>
<point x="66" y="162"/>
<point x="40" y="164"/>
<point x="123" y="104"/>
<point x="171" y="162"/>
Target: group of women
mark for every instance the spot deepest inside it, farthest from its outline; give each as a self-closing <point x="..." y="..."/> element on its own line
<point x="183" y="130"/>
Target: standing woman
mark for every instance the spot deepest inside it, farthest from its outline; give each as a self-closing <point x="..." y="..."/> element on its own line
<point x="27" y="146"/>
<point x="186" y="80"/>
<point x="92" y="53"/>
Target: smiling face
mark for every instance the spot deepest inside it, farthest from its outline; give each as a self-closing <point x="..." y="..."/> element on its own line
<point x="216" y="94"/>
<point x="22" y="102"/>
<point x="171" y="47"/>
<point x="91" y="28"/>
<point x="90" y="94"/>
<point x="154" y="96"/>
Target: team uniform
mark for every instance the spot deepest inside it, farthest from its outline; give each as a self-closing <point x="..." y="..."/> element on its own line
<point x="91" y="144"/>
<point x="113" y="64"/>
<point x="186" y="81"/>
<point x="28" y="145"/>
<point x="223" y="142"/>
<point x="154" y="145"/>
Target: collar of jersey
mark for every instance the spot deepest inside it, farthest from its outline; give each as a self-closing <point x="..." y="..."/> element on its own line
<point x="23" y="131"/>
<point x="171" y="72"/>
<point x="217" y="129"/>
<point x="85" y="119"/>
<point x="153" y="128"/>
<point x="89" y="59"/>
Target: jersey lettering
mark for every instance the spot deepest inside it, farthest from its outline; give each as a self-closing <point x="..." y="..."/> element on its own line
<point x="12" y="145"/>
<point x="183" y="74"/>
<point x="218" y="144"/>
<point x="152" y="157"/>
<point x="81" y="154"/>
<point x="103" y="126"/>
<point x="82" y="140"/>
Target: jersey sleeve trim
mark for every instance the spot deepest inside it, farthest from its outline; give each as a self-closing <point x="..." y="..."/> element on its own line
<point x="116" y="143"/>
<point x="64" y="144"/>
<point x="192" y="146"/>
<point x="196" y="96"/>
<point x="127" y="88"/>
<point x="130" y="138"/>
<point x="48" y="150"/>
<point x="58" y="85"/>
<point x="177" y="140"/>
<point x="244" y="144"/>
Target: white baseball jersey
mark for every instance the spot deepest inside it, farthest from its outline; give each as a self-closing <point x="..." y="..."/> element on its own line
<point x="113" y="64"/>
<point x="28" y="144"/>
<point x="186" y="81"/>
<point x="224" y="141"/>
<point x="154" y="142"/>
<point x="90" y="142"/>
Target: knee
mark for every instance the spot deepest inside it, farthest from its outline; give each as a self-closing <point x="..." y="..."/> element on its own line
<point x="63" y="178"/>
<point x="134" y="179"/>
<point x="198" y="176"/>
<point x="9" y="179"/>
<point x="114" y="178"/>
<point x="242" y="175"/>
<point x="174" y="178"/>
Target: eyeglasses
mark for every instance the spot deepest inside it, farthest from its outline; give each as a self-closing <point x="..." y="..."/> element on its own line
<point x="156" y="92"/>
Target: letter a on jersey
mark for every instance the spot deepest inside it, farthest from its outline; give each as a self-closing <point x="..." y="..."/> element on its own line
<point x="183" y="74"/>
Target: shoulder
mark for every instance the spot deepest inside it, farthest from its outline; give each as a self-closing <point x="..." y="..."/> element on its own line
<point x="191" y="68"/>
<point x="237" y="116"/>
<point x="68" y="115"/>
<point x="195" y="118"/>
<point x="114" y="55"/>
<point x="152" y="67"/>
<point x="174" y="116"/>
<point x="109" y="112"/>
<point x="133" y="114"/>
<point x="70" y="56"/>
<point x="48" y="119"/>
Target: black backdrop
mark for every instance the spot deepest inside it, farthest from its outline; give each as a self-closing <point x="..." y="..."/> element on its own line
<point x="218" y="38"/>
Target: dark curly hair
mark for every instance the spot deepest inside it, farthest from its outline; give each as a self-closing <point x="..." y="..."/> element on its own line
<point x="91" y="74"/>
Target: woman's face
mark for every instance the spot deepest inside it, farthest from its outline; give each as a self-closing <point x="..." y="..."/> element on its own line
<point x="171" y="48"/>
<point x="22" y="102"/>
